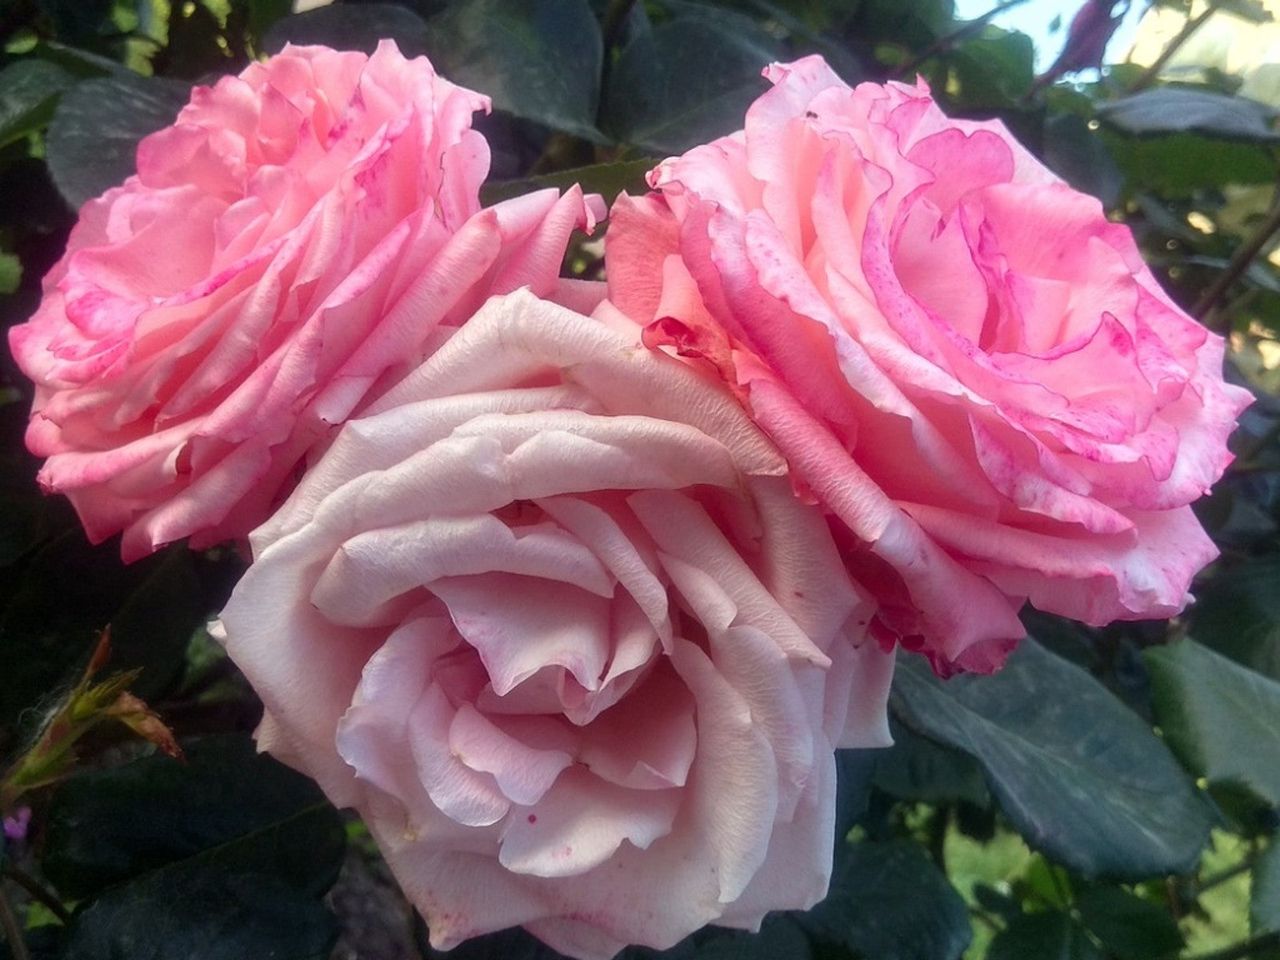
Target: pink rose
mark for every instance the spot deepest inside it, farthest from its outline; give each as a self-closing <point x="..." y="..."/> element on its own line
<point x="962" y="359"/>
<point x="284" y="253"/>
<point x="550" y="617"/>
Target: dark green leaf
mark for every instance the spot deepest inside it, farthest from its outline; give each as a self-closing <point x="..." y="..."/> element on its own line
<point x="1127" y="926"/>
<point x="1044" y="936"/>
<point x="606" y="179"/>
<point x="10" y="278"/>
<point x="1184" y="110"/>
<point x="1180" y="163"/>
<point x="227" y="806"/>
<point x="1080" y="776"/>
<point x="780" y="937"/>
<point x="93" y="140"/>
<point x="69" y="591"/>
<point x="1080" y="157"/>
<point x="264" y="13"/>
<point x="28" y="91"/>
<point x="890" y="902"/>
<point x="1264" y="899"/>
<point x="153" y="626"/>
<point x="1222" y="719"/>
<point x="916" y="768"/>
<point x="994" y="69"/>
<point x="1238" y="614"/>
<point x="188" y="914"/>
<point x="854" y="770"/>
<point x="351" y="28"/>
<point x="538" y="59"/>
<point x="688" y="81"/>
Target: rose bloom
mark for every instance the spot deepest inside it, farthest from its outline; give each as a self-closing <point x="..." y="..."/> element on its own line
<point x="283" y="253"/>
<point x="550" y="617"/>
<point x="961" y="358"/>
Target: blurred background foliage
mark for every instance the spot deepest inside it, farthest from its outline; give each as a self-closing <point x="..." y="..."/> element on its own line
<point x="1112" y="794"/>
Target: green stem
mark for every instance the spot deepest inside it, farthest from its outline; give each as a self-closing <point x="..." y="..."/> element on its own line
<point x="948" y="41"/>
<point x="38" y="891"/>
<point x="1239" y="263"/>
<point x="1152" y="73"/>
<point x="12" y="931"/>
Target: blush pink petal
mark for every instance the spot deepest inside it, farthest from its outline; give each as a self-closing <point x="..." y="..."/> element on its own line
<point x="286" y="252"/>
<point x="550" y="618"/>
<point x="959" y="356"/>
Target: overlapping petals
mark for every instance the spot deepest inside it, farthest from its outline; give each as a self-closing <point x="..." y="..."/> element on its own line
<point x="550" y="616"/>
<point x="284" y="252"/>
<point x="960" y="357"/>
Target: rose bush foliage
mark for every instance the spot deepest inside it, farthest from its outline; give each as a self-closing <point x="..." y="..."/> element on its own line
<point x="549" y="617"/>
<point x="961" y="357"/>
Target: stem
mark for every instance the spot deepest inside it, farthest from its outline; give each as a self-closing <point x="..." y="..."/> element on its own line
<point x="12" y="932"/>
<point x="948" y="41"/>
<point x="1246" y="949"/>
<point x="1220" y="878"/>
<point x="1152" y="73"/>
<point x="38" y="892"/>
<point x="1238" y="264"/>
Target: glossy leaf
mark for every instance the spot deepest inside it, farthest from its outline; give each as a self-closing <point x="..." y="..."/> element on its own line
<point x="1238" y="615"/>
<point x="538" y="59"/>
<point x="227" y="807"/>
<point x="346" y="27"/>
<point x="606" y="179"/>
<point x="28" y="91"/>
<point x="1264" y="900"/>
<point x="1222" y="719"/>
<point x="182" y="913"/>
<point x="1127" y="926"/>
<point x="93" y="139"/>
<point x="1186" y="110"/>
<point x="688" y="81"/>
<point x="1080" y="776"/>
<point x="889" y="901"/>
<point x="1046" y="936"/>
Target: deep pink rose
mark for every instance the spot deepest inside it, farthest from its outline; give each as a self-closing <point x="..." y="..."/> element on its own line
<point x="550" y="617"/>
<point x="959" y="355"/>
<point x="284" y="252"/>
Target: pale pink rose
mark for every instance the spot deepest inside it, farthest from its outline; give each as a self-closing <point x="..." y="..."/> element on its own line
<point x="551" y="619"/>
<point x="959" y="355"/>
<point x="284" y="252"/>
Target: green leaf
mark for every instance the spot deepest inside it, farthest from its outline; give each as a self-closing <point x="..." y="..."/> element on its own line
<point x="10" y="273"/>
<point x="93" y="139"/>
<point x="1264" y="900"/>
<point x="28" y="91"/>
<point x="1222" y="719"/>
<point x="688" y="81"/>
<point x="1181" y="163"/>
<point x="1045" y="936"/>
<point x="1127" y="926"/>
<point x="228" y="808"/>
<point x="68" y="591"/>
<point x="264" y="13"/>
<point x="1080" y="157"/>
<point x="1185" y="110"/>
<point x="1238" y="614"/>
<point x="351" y="28"/>
<point x="889" y="901"/>
<point x="1077" y="773"/>
<point x="538" y="59"/>
<point x="188" y="914"/>
<point x="916" y="768"/>
<point x="606" y="179"/>
<point x="994" y="69"/>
